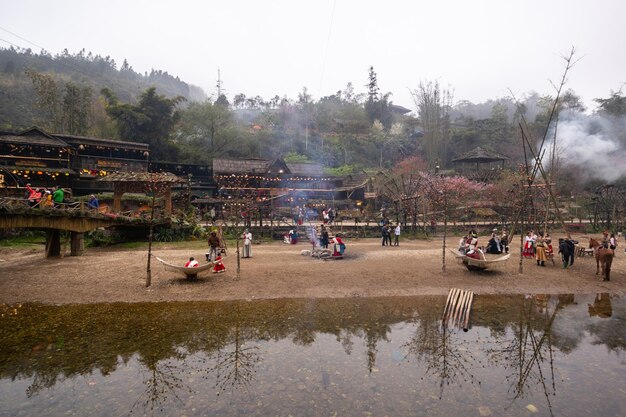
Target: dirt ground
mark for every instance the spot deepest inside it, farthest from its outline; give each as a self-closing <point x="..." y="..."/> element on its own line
<point x="277" y="270"/>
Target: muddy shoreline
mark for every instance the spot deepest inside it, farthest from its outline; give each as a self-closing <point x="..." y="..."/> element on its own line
<point x="277" y="270"/>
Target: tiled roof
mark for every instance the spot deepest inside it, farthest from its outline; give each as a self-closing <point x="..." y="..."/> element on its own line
<point x="32" y="136"/>
<point x="308" y="169"/>
<point x="141" y="177"/>
<point x="479" y="154"/>
<point x="236" y="166"/>
<point x="74" y="139"/>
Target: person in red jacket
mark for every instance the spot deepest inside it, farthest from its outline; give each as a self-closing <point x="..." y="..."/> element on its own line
<point x="34" y="196"/>
<point x="338" y="246"/>
<point x="192" y="263"/>
<point x="219" y="265"/>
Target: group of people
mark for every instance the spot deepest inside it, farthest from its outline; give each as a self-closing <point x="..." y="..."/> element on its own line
<point x="498" y="243"/>
<point x="215" y="252"/>
<point x="468" y="246"/>
<point x="325" y="240"/>
<point x="539" y="247"/>
<point x="328" y="215"/>
<point x="387" y="230"/>
<point x="43" y="197"/>
<point x="54" y="197"/>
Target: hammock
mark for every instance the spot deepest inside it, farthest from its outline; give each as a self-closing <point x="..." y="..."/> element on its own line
<point x="188" y="272"/>
<point x="474" y="264"/>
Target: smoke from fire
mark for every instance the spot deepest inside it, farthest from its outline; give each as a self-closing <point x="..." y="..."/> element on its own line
<point x="591" y="146"/>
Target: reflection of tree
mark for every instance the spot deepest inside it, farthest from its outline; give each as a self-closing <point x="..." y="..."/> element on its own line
<point x="161" y="381"/>
<point x="442" y="353"/>
<point x="235" y="366"/>
<point x="529" y="349"/>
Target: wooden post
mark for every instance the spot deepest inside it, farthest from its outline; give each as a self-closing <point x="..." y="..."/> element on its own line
<point x="168" y="200"/>
<point x="117" y="198"/>
<point x="53" y="243"/>
<point x="77" y="243"/>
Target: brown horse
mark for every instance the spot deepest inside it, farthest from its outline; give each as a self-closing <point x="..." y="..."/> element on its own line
<point x="604" y="258"/>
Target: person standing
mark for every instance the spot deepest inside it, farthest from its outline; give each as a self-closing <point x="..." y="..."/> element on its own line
<point x="214" y="244"/>
<point x="540" y="254"/>
<point x="571" y="244"/>
<point x="58" y="196"/>
<point x="529" y="250"/>
<point x="219" y="265"/>
<point x="564" y="250"/>
<point x="46" y="200"/>
<point x="397" y="235"/>
<point x="34" y="196"/>
<point x="212" y="215"/>
<point x="384" y="233"/>
<point x="247" y="244"/>
<point x="331" y="215"/>
<point x="93" y="203"/>
<point x="324" y="238"/>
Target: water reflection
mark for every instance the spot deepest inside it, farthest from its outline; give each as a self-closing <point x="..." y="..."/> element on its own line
<point x="447" y="358"/>
<point x="601" y="306"/>
<point x="316" y="357"/>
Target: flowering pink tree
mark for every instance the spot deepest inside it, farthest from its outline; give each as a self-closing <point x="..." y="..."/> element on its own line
<point x="449" y="195"/>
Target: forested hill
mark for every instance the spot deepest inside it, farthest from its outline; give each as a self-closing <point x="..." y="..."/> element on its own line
<point x="18" y="97"/>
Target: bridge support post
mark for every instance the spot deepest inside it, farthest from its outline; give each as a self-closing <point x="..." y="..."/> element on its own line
<point x="77" y="243"/>
<point x="53" y="243"/>
<point x="117" y="200"/>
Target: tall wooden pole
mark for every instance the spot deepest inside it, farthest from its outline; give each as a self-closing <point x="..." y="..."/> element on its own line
<point x="148" y="271"/>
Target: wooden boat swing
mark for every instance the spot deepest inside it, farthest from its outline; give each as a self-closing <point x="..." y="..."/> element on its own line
<point x="474" y="264"/>
<point x="188" y="272"/>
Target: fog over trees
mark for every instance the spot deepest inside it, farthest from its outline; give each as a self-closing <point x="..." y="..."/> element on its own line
<point x="353" y="129"/>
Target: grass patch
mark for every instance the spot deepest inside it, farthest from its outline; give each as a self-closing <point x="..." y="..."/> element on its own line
<point x="25" y="240"/>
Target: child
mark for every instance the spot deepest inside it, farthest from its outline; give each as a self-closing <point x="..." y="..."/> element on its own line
<point x="219" y="266"/>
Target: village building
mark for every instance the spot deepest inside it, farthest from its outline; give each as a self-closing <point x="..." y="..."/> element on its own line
<point x="74" y="162"/>
<point x="282" y="188"/>
<point x="94" y="158"/>
<point x="480" y="164"/>
<point x="36" y="157"/>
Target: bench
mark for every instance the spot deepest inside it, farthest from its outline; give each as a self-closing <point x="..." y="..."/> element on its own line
<point x="582" y="251"/>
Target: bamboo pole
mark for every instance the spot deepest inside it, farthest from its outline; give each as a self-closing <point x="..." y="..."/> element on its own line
<point x="459" y="304"/>
<point x="446" y="308"/>
<point x="469" y="308"/>
<point x="452" y="304"/>
<point x="457" y="320"/>
<point x="463" y="309"/>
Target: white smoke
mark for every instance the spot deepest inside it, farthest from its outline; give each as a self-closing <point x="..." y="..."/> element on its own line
<point x="593" y="145"/>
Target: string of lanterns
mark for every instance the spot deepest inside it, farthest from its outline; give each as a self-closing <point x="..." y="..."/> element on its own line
<point x="94" y="172"/>
<point x="28" y="173"/>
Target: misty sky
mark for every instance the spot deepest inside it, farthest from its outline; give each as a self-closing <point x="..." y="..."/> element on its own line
<point x="479" y="49"/>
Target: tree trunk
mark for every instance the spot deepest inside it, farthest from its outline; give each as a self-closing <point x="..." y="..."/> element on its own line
<point x="148" y="270"/>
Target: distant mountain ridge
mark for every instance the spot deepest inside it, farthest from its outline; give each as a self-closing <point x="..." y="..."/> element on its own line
<point x="17" y="95"/>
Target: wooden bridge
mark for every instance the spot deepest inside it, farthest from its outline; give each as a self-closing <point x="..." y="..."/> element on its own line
<point x="75" y="218"/>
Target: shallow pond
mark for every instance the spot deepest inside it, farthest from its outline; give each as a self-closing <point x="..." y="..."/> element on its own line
<point x="523" y="355"/>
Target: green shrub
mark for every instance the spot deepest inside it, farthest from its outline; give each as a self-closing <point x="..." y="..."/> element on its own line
<point x="101" y="238"/>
